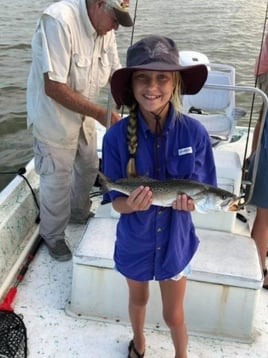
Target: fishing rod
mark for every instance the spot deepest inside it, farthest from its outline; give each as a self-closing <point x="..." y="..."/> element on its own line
<point x="134" y="22"/>
<point x="110" y="98"/>
<point x="131" y="39"/>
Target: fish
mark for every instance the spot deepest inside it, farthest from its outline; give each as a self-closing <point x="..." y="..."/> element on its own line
<point x="206" y="197"/>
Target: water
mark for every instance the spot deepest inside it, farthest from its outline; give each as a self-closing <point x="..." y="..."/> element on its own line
<point x="227" y="31"/>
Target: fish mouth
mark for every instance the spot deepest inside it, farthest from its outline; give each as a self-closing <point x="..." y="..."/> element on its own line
<point x="236" y="205"/>
<point x="233" y="207"/>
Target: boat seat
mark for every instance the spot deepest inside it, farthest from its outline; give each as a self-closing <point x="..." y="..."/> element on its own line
<point x="221" y="293"/>
<point x="215" y="107"/>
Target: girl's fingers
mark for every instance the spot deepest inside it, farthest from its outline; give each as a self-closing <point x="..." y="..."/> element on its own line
<point x="183" y="202"/>
<point x="140" y="198"/>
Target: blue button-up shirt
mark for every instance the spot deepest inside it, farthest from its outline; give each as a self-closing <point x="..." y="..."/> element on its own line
<point x="160" y="242"/>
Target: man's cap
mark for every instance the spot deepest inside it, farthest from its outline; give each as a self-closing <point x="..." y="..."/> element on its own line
<point x="156" y="53"/>
<point x="121" y="11"/>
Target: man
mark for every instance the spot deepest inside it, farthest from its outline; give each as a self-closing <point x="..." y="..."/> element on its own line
<point x="74" y="54"/>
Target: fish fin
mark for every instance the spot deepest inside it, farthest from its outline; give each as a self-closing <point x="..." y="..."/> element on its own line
<point x="139" y="180"/>
<point x="198" y="199"/>
<point x="200" y="209"/>
<point x="143" y="178"/>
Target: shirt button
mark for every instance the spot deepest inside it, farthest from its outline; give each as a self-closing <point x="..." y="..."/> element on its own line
<point x="159" y="229"/>
<point x="158" y="248"/>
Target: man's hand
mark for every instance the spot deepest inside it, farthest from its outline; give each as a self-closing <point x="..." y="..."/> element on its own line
<point x="102" y="117"/>
<point x="115" y="117"/>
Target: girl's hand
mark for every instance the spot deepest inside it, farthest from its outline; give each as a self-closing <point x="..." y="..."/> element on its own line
<point x="140" y="199"/>
<point x="183" y="202"/>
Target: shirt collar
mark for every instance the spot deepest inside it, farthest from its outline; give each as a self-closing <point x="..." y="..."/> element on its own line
<point x="85" y="19"/>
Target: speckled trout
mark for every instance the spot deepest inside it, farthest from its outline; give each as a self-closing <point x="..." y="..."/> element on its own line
<point x="206" y="197"/>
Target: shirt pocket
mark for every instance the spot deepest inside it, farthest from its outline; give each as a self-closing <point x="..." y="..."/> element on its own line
<point x="104" y="67"/>
<point x="79" y="72"/>
<point x="180" y="165"/>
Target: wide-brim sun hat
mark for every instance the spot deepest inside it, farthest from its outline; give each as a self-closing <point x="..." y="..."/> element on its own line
<point x="121" y="11"/>
<point x="156" y="53"/>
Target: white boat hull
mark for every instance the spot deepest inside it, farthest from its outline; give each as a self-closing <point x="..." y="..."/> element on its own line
<point x="18" y="227"/>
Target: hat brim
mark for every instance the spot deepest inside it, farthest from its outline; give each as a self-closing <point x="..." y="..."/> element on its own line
<point x="123" y="17"/>
<point x="193" y="78"/>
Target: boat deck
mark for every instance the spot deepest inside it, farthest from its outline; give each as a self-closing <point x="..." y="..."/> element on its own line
<point x="42" y="299"/>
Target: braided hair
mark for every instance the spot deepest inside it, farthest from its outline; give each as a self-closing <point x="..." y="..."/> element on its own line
<point x="132" y="141"/>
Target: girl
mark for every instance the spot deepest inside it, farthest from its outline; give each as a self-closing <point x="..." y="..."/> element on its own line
<point x="156" y="141"/>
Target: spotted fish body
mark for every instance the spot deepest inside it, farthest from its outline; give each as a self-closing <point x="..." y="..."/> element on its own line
<point x="206" y="197"/>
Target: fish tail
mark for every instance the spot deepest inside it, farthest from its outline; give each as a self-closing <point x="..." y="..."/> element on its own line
<point x="104" y="182"/>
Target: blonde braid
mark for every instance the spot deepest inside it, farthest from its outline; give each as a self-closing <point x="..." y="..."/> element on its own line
<point x="132" y="142"/>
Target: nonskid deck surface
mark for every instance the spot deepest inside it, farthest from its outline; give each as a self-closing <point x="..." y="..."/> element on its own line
<point x="43" y="296"/>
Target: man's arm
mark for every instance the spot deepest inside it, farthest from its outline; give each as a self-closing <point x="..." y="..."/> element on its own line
<point x="64" y="95"/>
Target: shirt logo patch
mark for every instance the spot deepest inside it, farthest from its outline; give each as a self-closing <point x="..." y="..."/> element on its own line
<point x="183" y="151"/>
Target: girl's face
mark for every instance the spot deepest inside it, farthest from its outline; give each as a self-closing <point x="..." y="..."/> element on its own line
<point x="152" y="90"/>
